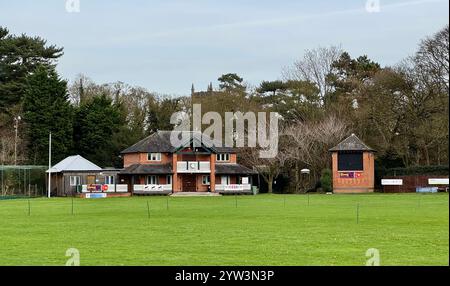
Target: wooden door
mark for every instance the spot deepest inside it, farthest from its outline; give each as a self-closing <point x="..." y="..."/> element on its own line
<point x="189" y="183"/>
<point x="90" y="180"/>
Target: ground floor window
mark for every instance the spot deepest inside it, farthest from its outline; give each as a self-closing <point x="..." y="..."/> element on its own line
<point x="206" y="180"/>
<point x="152" y="180"/>
<point x="109" y="180"/>
<point x="225" y="180"/>
<point x="169" y="179"/>
<point x="243" y="180"/>
<point x="75" y="180"/>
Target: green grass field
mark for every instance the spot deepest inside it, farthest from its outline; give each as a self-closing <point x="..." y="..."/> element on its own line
<point x="407" y="229"/>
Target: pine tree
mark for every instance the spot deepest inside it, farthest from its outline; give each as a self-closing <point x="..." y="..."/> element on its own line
<point x="47" y="109"/>
<point x="96" y="123"/>
<point x="19" y="56"/>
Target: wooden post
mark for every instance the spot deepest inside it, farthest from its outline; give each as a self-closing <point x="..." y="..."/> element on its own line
<point x="357" y="213"/>
<point x="212" y="174"/>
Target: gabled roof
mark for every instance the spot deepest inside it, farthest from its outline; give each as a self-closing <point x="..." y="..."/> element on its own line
<point x="159" y="142"/>
<point x="74" y="163"/>
<point x="351" y="143"/>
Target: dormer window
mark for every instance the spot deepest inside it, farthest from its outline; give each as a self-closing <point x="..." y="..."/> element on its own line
<point x="154" y="156"/>
<point x="223" y="157"/>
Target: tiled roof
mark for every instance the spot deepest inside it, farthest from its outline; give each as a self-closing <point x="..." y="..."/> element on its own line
<point x="147" y="169"/>
<point x="351" y="143"/>
<point x="160" y="142"/>
<point x="227" y="168"/>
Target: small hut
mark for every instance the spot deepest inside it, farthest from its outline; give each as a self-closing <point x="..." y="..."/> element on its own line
<point x="75" y="171"/>
<point x="353" y="166"/>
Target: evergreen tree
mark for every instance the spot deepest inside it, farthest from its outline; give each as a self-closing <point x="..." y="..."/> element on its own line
<point x="231" y="82"/>
<point x="19" y="56"/>
<point x="47" y="109"/>
<point x="272" y="86"/>
<point x="95" y="124"/>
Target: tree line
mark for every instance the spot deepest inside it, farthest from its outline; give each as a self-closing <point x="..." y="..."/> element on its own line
<point x="401" y="110"/>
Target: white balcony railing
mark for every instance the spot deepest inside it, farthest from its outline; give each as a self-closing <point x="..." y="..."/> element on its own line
<point x="151" y="188"/>
<point x="193" y="167"/>
<point x="121" y="188"/>
<point x="234" y="187"/>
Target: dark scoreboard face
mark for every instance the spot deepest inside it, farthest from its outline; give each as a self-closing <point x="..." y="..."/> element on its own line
<point x="350" y="161"/>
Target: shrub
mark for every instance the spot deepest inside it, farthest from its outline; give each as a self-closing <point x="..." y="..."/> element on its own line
<point x="326" y="180"/>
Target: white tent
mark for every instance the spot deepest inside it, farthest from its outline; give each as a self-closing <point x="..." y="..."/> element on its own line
<point x="74" y="163"/>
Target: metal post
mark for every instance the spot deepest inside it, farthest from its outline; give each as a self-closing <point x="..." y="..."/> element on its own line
<point x="3" y="184"/>
<point x="16" y="125"/>
<point x="3" y="163"/>
<point x="49" y="163"/>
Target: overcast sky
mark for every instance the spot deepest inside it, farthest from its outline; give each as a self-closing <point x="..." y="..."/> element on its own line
<point x="165" y="46"/>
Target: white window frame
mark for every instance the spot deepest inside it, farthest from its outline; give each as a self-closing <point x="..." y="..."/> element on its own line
<point x="156" y="157"/>
<point x="75" y="180"/>
<point x="225" y="180"/>
<point x="152" y="180"/>
<point x="222" y="157"/>
<point x="109" y="180"/>
<point x="169" y="179"/>
<point x="206" y="180"/>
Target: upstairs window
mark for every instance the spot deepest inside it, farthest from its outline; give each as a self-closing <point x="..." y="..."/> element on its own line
<point x="154" y="156"/>
<point x="223" y="157"/>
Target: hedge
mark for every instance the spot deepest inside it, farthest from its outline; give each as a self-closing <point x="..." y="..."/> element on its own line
<point x="436" y="170"/>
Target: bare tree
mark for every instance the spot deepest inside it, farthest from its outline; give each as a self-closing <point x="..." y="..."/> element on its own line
<point x="268" y="168"/>
<point x="314" y="67"/>
<point x="309" y="143"/>
<point x="432" y="59"/>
